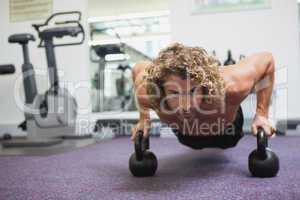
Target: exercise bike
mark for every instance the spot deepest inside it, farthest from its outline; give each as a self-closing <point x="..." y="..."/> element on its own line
<point x="49" y="117"/>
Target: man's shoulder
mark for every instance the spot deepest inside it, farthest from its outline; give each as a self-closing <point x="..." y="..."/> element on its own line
<point x="141" y="66"/>
<point x="236" y="87"/>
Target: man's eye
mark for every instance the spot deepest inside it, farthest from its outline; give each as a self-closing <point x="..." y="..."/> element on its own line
<point x="192" y="91"/>
<point x="174" y="93"/>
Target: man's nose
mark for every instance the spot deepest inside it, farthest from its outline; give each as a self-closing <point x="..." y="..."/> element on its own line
<point x="185" y="104"/>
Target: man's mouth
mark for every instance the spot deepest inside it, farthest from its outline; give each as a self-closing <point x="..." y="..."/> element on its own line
<point x="186" y="115"/>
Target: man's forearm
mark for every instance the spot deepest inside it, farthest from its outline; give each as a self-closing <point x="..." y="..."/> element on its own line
<point x="141" y="102"/>
<point x="264" y="89"/>
<point x="139" y="90"/>
<point x="144" y="113"/>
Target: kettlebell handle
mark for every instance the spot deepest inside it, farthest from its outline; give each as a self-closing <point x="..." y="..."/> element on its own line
<point x="141" y="144"/>
<point x="262" y="142"/>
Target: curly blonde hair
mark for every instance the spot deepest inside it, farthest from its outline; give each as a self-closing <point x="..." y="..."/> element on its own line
<point x="193" y="62"/>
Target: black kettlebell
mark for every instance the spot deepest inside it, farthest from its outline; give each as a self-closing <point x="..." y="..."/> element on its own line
<point x="142" y="163"/>
<point x="263" y="162"/>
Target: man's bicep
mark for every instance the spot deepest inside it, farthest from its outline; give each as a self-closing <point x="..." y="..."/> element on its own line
<point x="142" y="97"/>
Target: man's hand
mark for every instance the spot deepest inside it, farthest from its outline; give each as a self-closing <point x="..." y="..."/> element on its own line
<point x="142" y="125"/>
<point x="260" y="121"/>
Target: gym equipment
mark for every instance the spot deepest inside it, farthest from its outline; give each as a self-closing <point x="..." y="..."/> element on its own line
<point x="55" y="111"/>
<point x="29" y="81"/>
<point x="214" y="54"/>
<point x="229" y="60"/>
<point x="142" y="163"/>
<point x="101" y="51"/>
<point x="98" y="54"/>
<point x="283" y="126"/>
<point x="7" y="69"/>
<point x="6" y="136"/>
<point x="263" y="162"/>
<point x="123" y="92"/>
<point x="242" y="57"/>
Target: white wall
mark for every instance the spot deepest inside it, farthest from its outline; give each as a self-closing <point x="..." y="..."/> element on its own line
<point x="72" y="61"/>
<point x="99" y="8"/>
<point x="274" y="30"/>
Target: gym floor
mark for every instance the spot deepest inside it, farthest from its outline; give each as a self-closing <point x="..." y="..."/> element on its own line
<point x="100" y="171"/>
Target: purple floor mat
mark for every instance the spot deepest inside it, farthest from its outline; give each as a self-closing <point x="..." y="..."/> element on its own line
<point x="101" y="172"/>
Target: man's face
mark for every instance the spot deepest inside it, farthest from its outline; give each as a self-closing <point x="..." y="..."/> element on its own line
<point x="183" y="96"/>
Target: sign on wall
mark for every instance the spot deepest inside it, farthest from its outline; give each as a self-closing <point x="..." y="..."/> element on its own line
<point x="25" y="10"/>
<point x="208" y="6"/>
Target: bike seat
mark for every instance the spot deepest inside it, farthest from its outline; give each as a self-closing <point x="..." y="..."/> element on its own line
<point x="22" y="38"/>
<point x="105" y="49"/>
